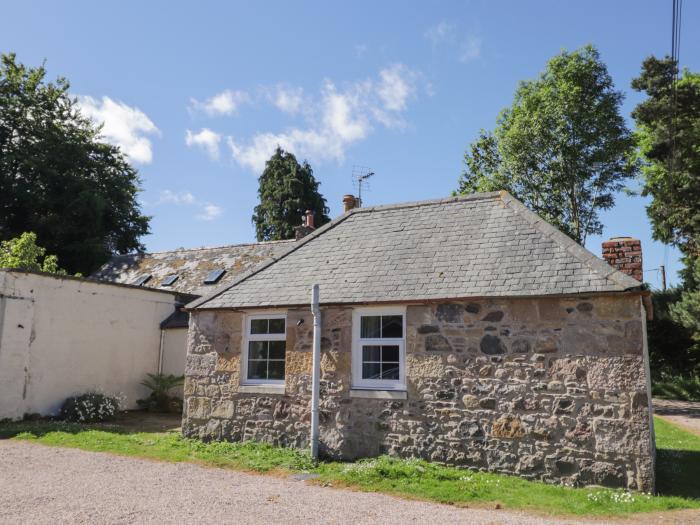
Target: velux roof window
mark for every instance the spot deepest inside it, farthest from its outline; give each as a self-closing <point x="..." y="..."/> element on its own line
<point x="214" y="276"/>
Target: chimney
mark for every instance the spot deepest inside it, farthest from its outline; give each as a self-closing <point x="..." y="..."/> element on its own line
<point x="349" y="202"/>
<point x="307" y="225"/>
<point x="625" y="254"/>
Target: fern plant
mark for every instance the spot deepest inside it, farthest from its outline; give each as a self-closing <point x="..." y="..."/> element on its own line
<point x="160" y="399"/>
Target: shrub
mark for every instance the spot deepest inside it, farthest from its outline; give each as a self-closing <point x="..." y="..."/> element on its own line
<point x="90" y="408"/>
<point x="683" y="388"/>
<point x="160" y="399"/>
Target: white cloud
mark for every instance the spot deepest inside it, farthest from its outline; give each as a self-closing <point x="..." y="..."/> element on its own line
<point x="225" y="103"/>
<point x="470" y="49"/>
<point x="440" y="32"/>
<point x="396" y="86"/>
<point x="171" y="197"/>
<point x="205" y="139"/>
<point x="123" y="126"/>
<point x="207" y="210"/>
<point x="288" y="99"/>
<point x="336" y="119"/>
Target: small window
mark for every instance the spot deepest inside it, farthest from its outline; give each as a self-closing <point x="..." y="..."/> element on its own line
<point x="378" y="348"/>
<point x="142" y="279"/>
<point x="169" y="280"/>
<point x="213" y="276"/>
<point x="265" y="348"/>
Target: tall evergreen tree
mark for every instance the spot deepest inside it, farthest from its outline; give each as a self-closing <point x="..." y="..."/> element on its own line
<point x="287" y="189"/>
<point x="668" y="134"/>
<point x="57" y="178"/>
<point x="562" y="147"/>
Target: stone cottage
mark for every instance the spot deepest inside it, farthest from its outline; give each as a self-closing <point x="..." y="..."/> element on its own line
<point x="466" y="331"/>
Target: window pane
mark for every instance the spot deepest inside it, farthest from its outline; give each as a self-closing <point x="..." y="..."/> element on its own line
<point x="371" y="370"/>
<point x="276" y="326"/>
<point x="258" y="326"/>
<point x="369" y="326"/>
<point x="392" y="326"/>
<point x="371" y="353"/>
<point x="390" y="353"/>
<point x="276" y="370"/>
<point x="257" y="369"/>
<point x="277" y="349"/>
<point x="390" y="371"/>
<point x="257" y="349"/>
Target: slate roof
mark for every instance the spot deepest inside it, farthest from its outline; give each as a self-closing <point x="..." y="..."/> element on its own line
<point x="481" y="245"/>
<point x="191" y="266"/>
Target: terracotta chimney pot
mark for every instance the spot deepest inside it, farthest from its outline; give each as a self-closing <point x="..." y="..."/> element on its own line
<point x="310" y="219"/>
<point x="349" y="202"/>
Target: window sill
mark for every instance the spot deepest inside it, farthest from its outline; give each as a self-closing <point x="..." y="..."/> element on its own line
<point x="359" y="393"/>
<point x="261" y="389"/>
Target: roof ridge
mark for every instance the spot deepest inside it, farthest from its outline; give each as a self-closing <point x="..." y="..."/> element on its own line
<point x="261" y="243"/>
<point x="581" y="253"/>
<point x="430" y="202"/>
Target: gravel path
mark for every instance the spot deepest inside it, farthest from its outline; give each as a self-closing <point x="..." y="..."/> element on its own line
<point x="685" y="414"/>
<point x="40" y="484"/>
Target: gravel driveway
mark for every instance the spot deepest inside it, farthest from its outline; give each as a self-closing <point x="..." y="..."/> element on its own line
<point x="40" y="484"/>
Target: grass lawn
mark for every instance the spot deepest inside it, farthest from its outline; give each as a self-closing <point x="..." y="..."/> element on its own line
<point x="677" y="468"/>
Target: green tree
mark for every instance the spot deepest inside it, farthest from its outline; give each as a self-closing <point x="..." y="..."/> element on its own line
<point x="57" y="178"/>
<point x="562" y="147"/>
<point x="24" y="254"/>
<point x="668" y="134"/>
<point x="286" y="190"/>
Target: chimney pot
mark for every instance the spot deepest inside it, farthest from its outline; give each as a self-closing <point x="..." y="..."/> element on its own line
<point x="349" y="202"/>
<point x="310" y="219"/>
<point x="625" y="255"/>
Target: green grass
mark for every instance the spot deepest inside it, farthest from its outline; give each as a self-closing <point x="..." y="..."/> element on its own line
<point x="683" y="388"/>
<point x="678" y="465"/>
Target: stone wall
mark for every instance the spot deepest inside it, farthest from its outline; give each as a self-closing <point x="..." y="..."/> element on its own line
<point x="550" y="389"/>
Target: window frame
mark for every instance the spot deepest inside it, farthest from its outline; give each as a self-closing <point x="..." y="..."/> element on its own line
<point x="357" y="343"/>
<point x="247" y="337"/>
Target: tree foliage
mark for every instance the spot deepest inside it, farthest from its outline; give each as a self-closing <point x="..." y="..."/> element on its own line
<point x="287" y="189"/>
<point x="57" y="178"/>
<point x="24" y="254"/>
<point x="562" y="147"/>
<point x="668" y="133"/>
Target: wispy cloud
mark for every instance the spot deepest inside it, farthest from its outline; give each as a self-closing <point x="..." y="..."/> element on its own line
<point x="337" y="118"/>
<point x="441" y="32"/>
<point x="207" y="211"/>
<point x="287" y="99"/>
<point x="206" y="139"/>
<point x="467" y="46"/>
<point x="122" y="125"/>
<point x="470" y="49"/>
<point x="222" y="104"/>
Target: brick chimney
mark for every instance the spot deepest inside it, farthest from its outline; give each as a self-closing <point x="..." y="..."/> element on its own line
<point x="350" y="202"/>
<point x="625" y="254"/>
<point x="307" y="226"/>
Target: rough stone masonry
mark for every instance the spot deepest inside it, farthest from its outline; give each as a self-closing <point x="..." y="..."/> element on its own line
<point x="553" y="389"/>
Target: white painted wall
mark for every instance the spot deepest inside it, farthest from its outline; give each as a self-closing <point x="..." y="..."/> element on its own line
<point x="64" y="336"/>
<point x="174" y="354"/>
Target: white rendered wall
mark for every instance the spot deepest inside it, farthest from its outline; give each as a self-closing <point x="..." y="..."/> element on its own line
<point x="174" y="354"/>
<point x="62" y="336"/>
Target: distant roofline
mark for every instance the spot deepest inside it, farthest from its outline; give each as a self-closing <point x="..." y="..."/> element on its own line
<point x="92" y="280"/>
<point x="178" y="250"/>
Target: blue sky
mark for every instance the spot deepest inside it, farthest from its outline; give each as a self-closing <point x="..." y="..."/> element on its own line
<point x="197" y="93"/>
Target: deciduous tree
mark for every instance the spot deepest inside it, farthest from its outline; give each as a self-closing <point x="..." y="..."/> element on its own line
<point x="562" y="147"/>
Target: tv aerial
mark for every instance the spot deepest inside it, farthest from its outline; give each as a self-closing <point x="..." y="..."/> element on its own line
<point x="360" y="179"/>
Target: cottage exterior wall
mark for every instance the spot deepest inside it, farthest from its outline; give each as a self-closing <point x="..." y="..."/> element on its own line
<point x="553" y="389"/>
